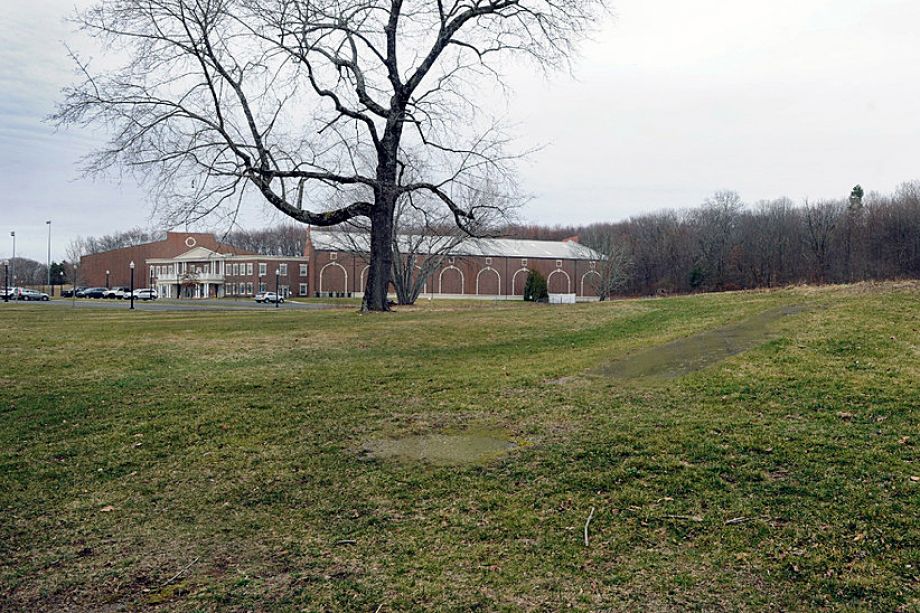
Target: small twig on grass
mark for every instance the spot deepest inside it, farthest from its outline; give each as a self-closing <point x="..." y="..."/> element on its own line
<point x="179" y="574"/>
<point x="737" y="520"/>
<point x="693" y="518"/>
<point x="588" y="521"/>
<point x="345" y="542"/>
<point x="378" y="609"/>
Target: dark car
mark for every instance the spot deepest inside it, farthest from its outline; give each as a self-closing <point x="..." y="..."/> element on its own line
<point x="68" y="293"/>
<point x="94" y="292"/>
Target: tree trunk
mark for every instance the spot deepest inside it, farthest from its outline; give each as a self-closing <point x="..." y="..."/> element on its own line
<point x="381" y="255"/>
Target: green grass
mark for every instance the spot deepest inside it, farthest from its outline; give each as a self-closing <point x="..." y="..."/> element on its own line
<point x="210" y="461"/>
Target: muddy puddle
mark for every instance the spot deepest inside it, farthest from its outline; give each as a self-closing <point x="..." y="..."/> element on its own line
<point x="441" y="449"/>
<point x="693" y="353"/>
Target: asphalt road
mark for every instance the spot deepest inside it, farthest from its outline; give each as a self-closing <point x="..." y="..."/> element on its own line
<point x="172" y="305"/>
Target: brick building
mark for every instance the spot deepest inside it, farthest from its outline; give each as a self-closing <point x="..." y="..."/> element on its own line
<point x="196" y="265"/>
<point x="488" y="268"/>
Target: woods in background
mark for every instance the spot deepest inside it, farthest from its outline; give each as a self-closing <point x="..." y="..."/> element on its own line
<point x="727" y="245"/>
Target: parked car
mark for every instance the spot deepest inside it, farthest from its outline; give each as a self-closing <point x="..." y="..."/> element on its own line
<point x="68" y="293"/>
<point x="30" y="294"/>
<point x="117" y="292"/>
<point x="93" y="292"/>
<point x="269" y="297"/>
<point x="9" y="292"/>
<point x="143" y="294"/>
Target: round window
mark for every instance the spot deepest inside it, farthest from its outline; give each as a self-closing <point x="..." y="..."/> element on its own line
<point x="190" y="242"/>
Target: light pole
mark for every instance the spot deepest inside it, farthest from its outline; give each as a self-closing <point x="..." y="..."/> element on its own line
<point x="61" y="292"/>
<point x="73" y="296"/>
<point x="131" y="265"/>
<point x="13" y="259"/>
<point x="277" y="282"/>
<point x="150" y="285"/>
<point x="6" y="284"/>
<point x="106" y="279"/>
<point x="48" y="223"/>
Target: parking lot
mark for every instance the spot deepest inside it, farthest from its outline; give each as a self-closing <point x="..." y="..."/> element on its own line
<point x="170" y="305"/>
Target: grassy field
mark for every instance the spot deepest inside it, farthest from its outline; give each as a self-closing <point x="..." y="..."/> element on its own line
<point x="212" y="461"/>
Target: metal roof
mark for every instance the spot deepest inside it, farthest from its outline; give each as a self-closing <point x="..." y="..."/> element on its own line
<point x="495" y="247"/>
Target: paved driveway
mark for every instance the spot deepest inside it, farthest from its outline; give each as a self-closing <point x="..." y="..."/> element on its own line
<point x="175" y="305"/>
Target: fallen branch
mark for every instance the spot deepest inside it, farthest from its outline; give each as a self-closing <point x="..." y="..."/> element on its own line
<point x="345" y="542"/>
<point x="737" y="520"/>
<point x="588" y="521"/>
<point x="179" y="574"/>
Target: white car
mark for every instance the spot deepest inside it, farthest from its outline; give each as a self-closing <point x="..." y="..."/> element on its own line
<point x="143" y="294"/>
<point x="117" y="292"/>
<point x="269" y="297"/>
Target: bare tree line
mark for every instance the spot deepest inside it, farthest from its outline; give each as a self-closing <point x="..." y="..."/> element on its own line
<point x="726" y="245"/>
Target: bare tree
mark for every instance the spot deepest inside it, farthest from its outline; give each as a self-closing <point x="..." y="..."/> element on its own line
<point x="300" y="101"/>
<point x="284" y="239"/>
<point x="820" y="221"/>
<point x="615" y="269"/>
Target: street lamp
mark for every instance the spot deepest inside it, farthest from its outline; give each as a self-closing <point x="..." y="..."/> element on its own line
<point x="6" y="283"/>
<point x="73" y="296"/>
<point x="13" y="259"/>
<point x="131" y="265"/>
<point x="107" y="279"/>
<point x="150" y="285"/>
<point x="48" y="223"/>
<point x="61" y="288"/>
<point x="277" y="282"/>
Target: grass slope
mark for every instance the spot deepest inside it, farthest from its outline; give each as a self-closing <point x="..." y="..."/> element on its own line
<point x="204" y="461"/>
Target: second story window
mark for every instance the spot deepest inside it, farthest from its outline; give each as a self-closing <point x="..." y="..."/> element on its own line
<point x="282" y="269"/>
<point x="262" y="268"/>
<point x="303" y="270"/>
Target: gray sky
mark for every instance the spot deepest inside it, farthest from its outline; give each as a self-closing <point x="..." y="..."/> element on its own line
<point x="672" y="101"/>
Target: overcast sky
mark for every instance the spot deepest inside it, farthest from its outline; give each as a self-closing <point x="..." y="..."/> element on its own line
<point x="672" y="101"/>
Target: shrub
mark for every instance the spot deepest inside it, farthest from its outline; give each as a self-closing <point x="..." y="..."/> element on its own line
<point x="535" y="287"/>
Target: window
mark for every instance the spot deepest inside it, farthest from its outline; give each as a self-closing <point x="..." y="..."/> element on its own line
<point x="236" y="270"/>
<point x="285" y="291"/>
<point x="249" y="269"/>
<point x="558" y="263"/>
<point x="524" y="262"/>
<point x="303" y="271"/>
<point x="282" y="268"/>
<point x="261" y="287"/>
<point x="333" y="256"/>
<point x="488" y="261"/>
<point x="249" y="288"/>
<point x="303" y="289"/>
<point x="262" y="268"/>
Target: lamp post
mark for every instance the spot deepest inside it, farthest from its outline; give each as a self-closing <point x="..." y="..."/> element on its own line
<point x="61" y="292"/>
<point x="277" y="282"/>
<point x="73" y="296"/>
<point x="150" y="285"/>
<point x="106" y="279"/>
<point x="48" y="223"/>
<point x="6" y="283"/>
<point x="13" y="259"/>
<point x="131" y="265"/>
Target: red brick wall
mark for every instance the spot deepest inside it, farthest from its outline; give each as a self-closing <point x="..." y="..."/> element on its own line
<point x="329" y="267"/>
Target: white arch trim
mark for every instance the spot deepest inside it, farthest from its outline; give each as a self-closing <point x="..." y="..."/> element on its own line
<point x="489" y="269"/>
<point x="590" y="272"/>
<point x="514" y="276"/>
<point x="323" y="269"/>
<point x="568" y="279"/>
<point x="364" y="276"/>
<point x="441" y="279"/>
